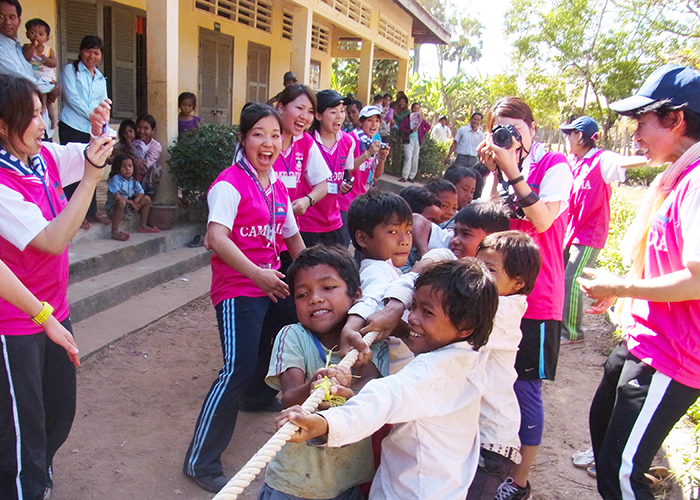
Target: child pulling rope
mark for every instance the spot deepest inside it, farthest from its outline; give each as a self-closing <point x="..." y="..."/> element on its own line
<point x="250" y="470"/>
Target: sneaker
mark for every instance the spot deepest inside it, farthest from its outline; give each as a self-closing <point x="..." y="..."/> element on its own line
<point x="583" y="459"/>
<point x="508" y="490"/>
<point x="212" y="483"/>
<point x="47" y="493"/>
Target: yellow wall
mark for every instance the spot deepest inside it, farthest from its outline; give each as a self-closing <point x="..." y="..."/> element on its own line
<point x="43" y="9"/>
<point x="191" y="20"/>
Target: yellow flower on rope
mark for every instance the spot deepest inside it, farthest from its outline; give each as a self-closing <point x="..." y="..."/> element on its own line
<point x="326" y="385"/>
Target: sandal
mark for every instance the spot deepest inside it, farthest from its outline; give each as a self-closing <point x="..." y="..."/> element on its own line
<point x="656" y="477"/>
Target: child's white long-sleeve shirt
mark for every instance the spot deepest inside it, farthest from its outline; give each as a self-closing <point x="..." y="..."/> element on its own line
<point x="375" y="276"/>
<point x="433" y="450"/>
<point x="499" y="421"/>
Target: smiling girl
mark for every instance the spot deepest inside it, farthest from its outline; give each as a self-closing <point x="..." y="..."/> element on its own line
<point x="322" y="222"/>
<point x="37" y="377"/>
<point x="250" y="217"/>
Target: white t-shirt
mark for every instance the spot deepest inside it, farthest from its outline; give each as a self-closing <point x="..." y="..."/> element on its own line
<point x="20" y="220"/>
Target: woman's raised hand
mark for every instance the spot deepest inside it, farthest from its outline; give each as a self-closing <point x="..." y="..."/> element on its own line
<point x="99" y="117"/>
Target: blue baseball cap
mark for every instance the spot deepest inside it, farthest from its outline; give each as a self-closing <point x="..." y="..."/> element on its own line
<point x="584" y="124"/>
<point x="677" y="84"/>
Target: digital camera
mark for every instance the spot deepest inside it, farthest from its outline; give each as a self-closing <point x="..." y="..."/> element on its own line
<point x="503" y="136"/>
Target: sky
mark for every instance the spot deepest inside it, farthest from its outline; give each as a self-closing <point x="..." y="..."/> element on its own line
<point x="496" y="49"/>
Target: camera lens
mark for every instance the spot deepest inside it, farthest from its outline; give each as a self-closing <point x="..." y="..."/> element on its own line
<point x="502" y="137"/>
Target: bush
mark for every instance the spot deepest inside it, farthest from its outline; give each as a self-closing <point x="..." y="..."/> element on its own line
<point x="621" y="216"/>
<point x="199" y="156"/>
<point x="430" y="161"/>
<point x="642" y="175"/>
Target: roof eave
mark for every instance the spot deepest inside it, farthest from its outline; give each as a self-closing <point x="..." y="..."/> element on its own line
<point x="426" y="29"/>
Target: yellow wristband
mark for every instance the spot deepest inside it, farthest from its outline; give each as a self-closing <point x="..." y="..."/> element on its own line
<point x="43" y="314"/>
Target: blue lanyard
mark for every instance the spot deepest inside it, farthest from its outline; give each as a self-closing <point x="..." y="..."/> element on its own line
<point x="319" y="347"/>
<point x="270" y="203"/>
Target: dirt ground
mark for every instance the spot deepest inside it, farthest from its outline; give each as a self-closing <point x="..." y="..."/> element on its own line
<point x="138" y="400"/>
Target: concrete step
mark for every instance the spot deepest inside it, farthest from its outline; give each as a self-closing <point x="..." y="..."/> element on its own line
<point x="106" y="290"/>
<point x="102" y="329"/>
<point x="90" y="258"/>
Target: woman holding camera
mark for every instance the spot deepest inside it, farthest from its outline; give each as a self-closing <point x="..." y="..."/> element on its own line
<point x="537" y="186"/>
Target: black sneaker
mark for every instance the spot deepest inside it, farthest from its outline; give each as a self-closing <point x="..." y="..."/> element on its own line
<point x="508" y="490"/>
<point x="212" y="483"/>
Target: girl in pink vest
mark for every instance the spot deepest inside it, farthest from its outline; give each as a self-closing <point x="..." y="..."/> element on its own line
<point x="300" y="164"/>
<point x="537" y="187"/>
<point x="37" y="376"/>
<point x="302" y="169"/>
<point x="250" y="219"/>
<point x="322" y="222"/>
<point x="589" y="214"/>
<point x="653" y="376"/>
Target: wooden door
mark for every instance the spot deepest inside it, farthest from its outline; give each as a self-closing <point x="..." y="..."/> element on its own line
<point x="215" y="77"/>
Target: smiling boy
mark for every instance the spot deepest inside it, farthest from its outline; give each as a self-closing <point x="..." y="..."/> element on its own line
<point x="433" y="402"/>
<point x="325" y="283"/>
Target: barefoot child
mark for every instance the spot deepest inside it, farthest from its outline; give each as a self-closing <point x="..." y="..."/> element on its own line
<point x="514" y="262"/>
<point x="125" y="195"/>
<point x="42" y="58"/>
<point x="325" y="282"/>
<point x="187" y="119"/>
<point x="433" y="402"/>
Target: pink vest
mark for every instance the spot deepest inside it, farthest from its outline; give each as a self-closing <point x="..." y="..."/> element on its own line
<point x="324" y="216"/>
<point x="666" y="335"/>
<point x="589" y="208"/>
<point x="249" y="233"/>
<point x="45" y="275"/>
<point x="547" y="299"/>
<point x="361" y="175"/>
<point x="295" y="164"/>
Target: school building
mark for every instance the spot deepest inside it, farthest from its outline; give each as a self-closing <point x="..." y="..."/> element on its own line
<point x="229" y="52"/>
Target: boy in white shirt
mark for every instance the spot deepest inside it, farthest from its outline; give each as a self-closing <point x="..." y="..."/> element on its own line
<point x="433" y="402"/>
<point x="514" y="261"/>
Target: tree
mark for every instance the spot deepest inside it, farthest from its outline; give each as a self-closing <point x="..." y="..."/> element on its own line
<point x="601" y="52"/>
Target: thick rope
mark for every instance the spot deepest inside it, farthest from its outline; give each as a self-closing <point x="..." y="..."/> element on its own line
<point x="250" y="470"/>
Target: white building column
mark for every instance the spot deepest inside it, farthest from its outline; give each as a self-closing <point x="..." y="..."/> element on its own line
<point x="364" y="77"/>
<point x="301" y="44"/>
<point x="163" y="47"/>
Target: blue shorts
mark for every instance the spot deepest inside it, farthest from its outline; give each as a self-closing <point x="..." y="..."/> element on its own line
<point x="529" y="394"/>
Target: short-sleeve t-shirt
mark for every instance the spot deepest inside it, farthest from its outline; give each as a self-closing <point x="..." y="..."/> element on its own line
<point x="305" y="471"/>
